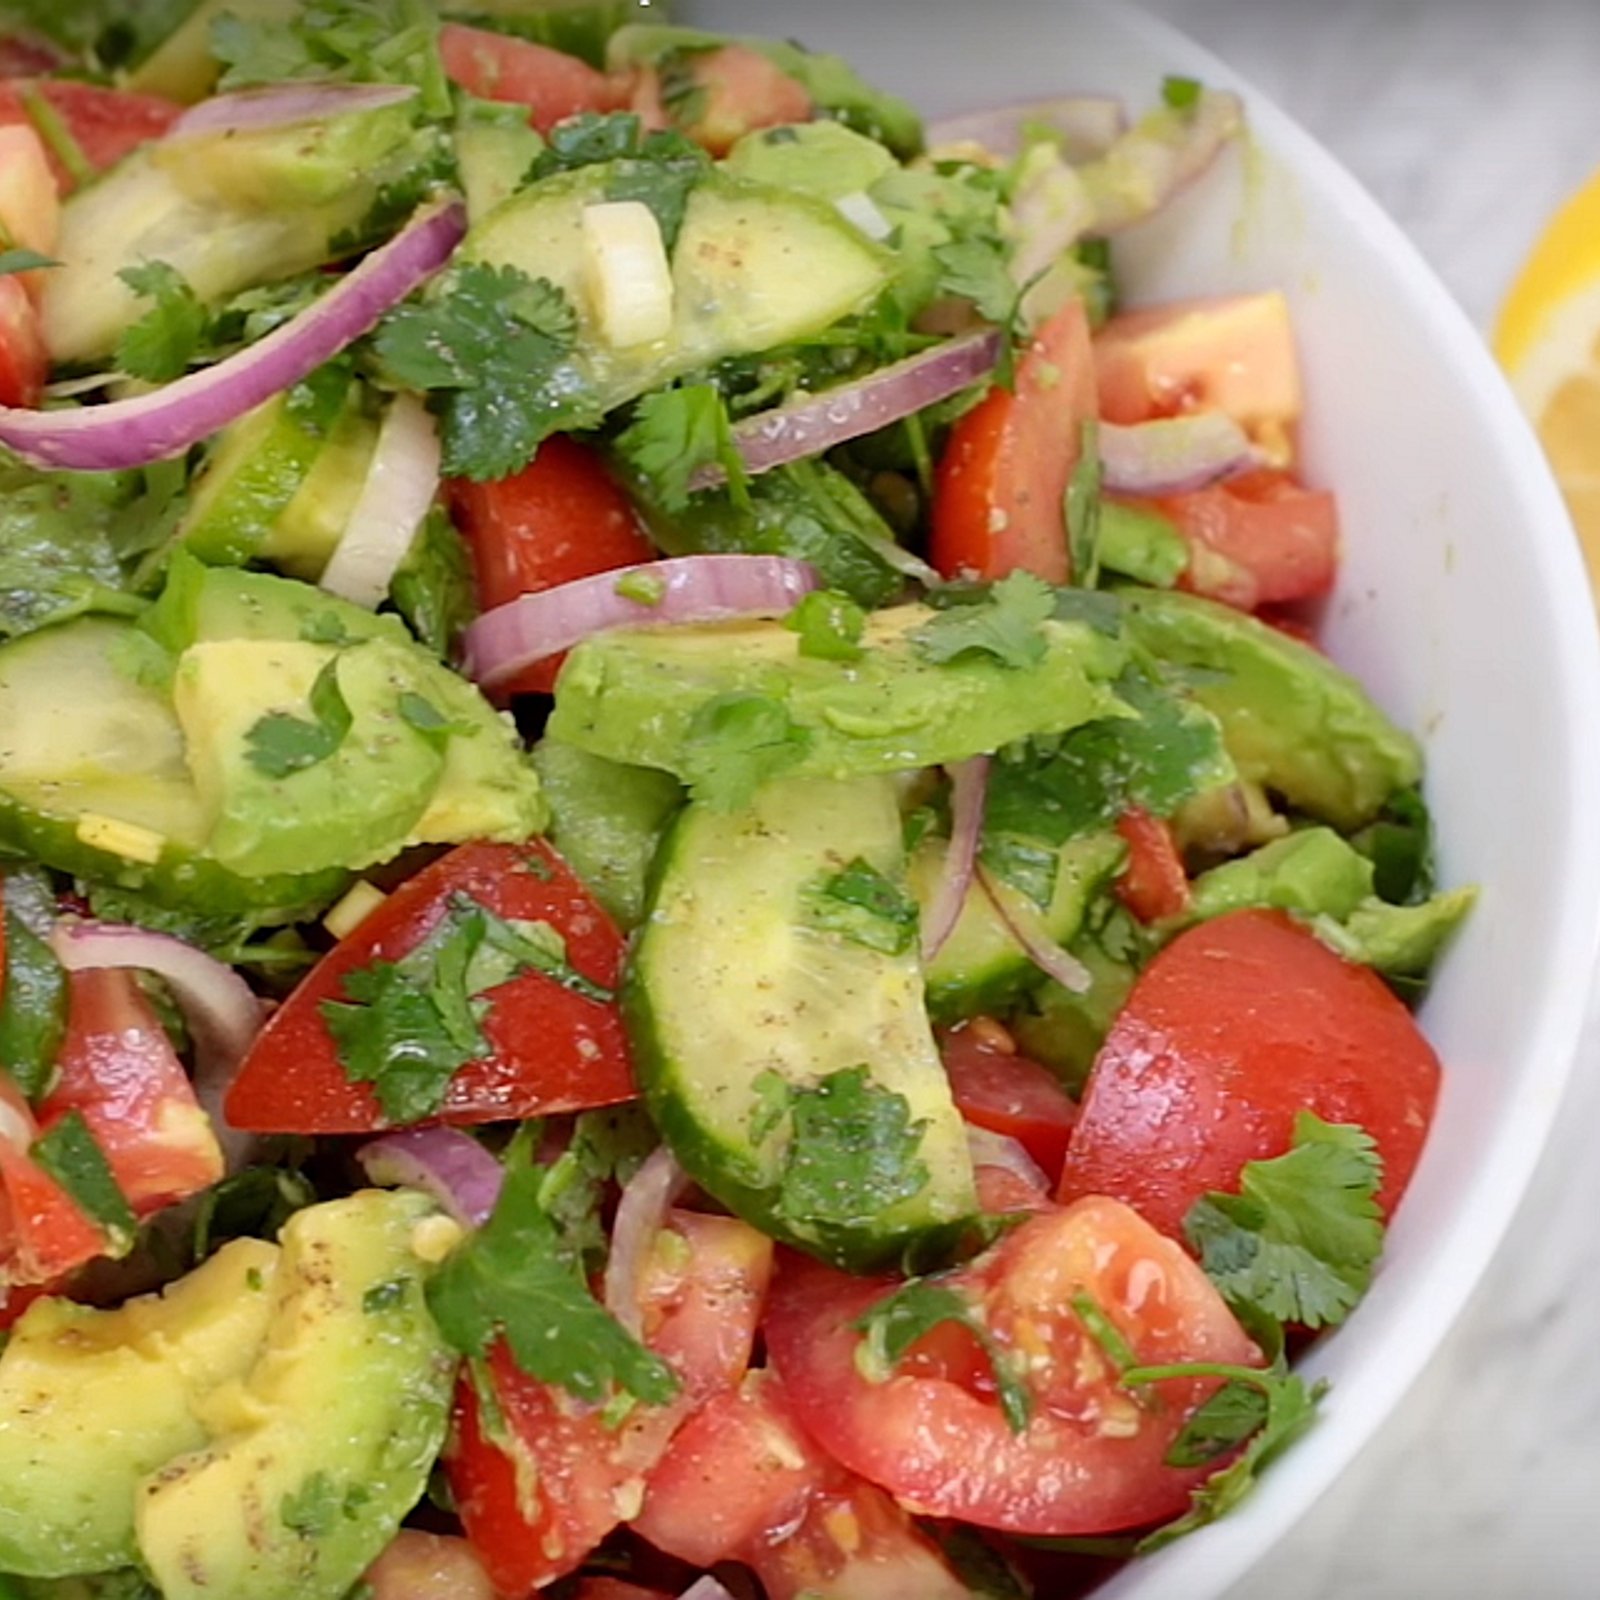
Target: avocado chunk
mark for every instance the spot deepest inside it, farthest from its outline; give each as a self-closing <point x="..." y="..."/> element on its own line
<point x="315" y="1455"/>
<point x="91" y="1401"/>
<point x="495" y="148"/>
<point x="821" y="158"/>
<point x="606" y="820"/>
<point x="753" y="267"/>
<point x="717" y="702"/>
<point x="1294" y="722"/>
<point x="779" y="1029"/>
<point x="1401" y="942"/>
<point x="981" y="968"/>
<point x="94" y="780"/>
<point x="1312" y="872"/>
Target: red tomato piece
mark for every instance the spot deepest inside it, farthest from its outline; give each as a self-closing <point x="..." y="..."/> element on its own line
<point x="730" y="92"/>
<point x="1001" y="482"/>
<point x="1235" y="1028"/>
<point x="561" y="518"/>
<point x="15" y="1299"/>
<point x="1008" y="1094"/>
<point x="118" y="1070"/>
<point x="428" y="1566"/>
<point x="1153" y="885"/>
<point x="1258" y="539"/>
<point x="536" y="1502"/>
<point x="43" y="1234"/>
<point x="615" y="1589"/>
<point x="552" y="1050"/>
<point x="1092" y="1457"/>
<point x="106" y="124"/>
<point x="552" y="84"/>
<point x="24" y="360"/>
<point x="27" y="58"/>
<point x="743" y="1481"/>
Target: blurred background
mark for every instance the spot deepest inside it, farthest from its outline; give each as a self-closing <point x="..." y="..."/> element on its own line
<point x="1470" y="121"/>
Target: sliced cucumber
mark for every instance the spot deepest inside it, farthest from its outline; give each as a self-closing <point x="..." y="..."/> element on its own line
<point x="739" y="1000"/>
<point x="981" y="968"/>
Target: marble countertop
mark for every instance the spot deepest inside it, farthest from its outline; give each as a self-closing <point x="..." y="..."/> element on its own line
<point x="1469" y="127"/>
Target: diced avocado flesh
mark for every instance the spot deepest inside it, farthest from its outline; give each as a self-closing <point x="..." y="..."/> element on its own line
<point x="495" y="147"/>
<point x="820" y="158"/>
<point x="752" y="268"/>
<point x="606" y="820"/>
<point x="85" y="738"/>
<point x="1313" y="872"/>
<point x="1293" y="721"/>
<point x="91" y="1401"/>
<point x="644" y="695"/>
<point x="302" y="540"/>
<point x="733" y="991"/>
<point x="316" y="1455"/>
<point x="981" y="968"/>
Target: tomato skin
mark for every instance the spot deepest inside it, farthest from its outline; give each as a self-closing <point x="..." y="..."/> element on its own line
<point x="561" y="518"/>
<point x="1153" y="885"/>
<point x="999" y="489"/>
<point x="553" y="1050"/>
<point x="428" y="1566"/>
<point x="552" y="84"/>
<point x="107" y="124"/>
<point x="117" y="1069"/>
<point x="743" y="1481"/>
<point x="24" y="360"/>
<point x="1010" y="1095"/>
<point x="1236" y="1027"/>
<point x="615" y="1589"/>
<point x="535" y="1504"/>
<point x="739" y="91"/>
<point x="1258" y="539"/>
<point x="1092" y="1458"/>
<point x="43" y="1234"/>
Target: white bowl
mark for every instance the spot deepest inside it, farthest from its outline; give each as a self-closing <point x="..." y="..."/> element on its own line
<point x="1462" y="604"/>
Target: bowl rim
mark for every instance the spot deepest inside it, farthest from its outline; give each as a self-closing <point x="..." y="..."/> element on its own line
<point x="1436" y="1293"/>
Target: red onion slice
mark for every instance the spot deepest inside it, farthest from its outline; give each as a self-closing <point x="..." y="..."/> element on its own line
<point x="1087" y="125"/>
<point x="282" y="105"/>
<point x="156" y="426"/>
<point x="989" y="1149"/>
<point x="969" y="788"/>
<point x="641" y="1213"/>
<point x="511" y="638"/>
<point x="401" y="484"/>
<point x="445" y="1163"/>
<point x="1173" y="455"/>
<point x="810" y="425"/>
<point x="1042" y="950"/>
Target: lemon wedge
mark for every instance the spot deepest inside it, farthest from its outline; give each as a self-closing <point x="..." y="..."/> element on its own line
<point x="1548" y="341"/>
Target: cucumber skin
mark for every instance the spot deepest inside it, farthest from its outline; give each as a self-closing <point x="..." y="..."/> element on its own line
<point x="722" y="1171"/>
<point x="181" y="881"/>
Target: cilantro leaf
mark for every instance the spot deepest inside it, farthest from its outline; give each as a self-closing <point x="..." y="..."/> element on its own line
<point x="282" y="744"/>
<point x="895" y="1323"/>
<point x="830" y="626"/>
<point x="974" y="268"/>
<point x="607" y="1147"/>
<point x="862" y="905"/>
<point x="736" y="743"/>
<point x="408" y="1026"/>
<point x="434" y="588"/>
<point x="33" y="1003"/>
<point x="517" y="1277"/>
<point x="1181" y="94"/>
<point x="494" y="344"/>
<point x="852" y="1154"/>
<point x="1300" y="1240"/>
<point x="12" y="261"/>
<point x="161" y="344"/>
<point x="675" y="435"/>
<point x="1007" y="624"/>
<point x="71" y="1155"/>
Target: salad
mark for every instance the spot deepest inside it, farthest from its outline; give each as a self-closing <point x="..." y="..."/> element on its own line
<point x="686" y="909"/>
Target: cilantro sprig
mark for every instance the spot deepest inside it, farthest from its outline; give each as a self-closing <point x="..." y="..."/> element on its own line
<point x="862" y="905"/>
<point x="676" y="436"/>
<point x="281" y="744"/>
<point x="70" y="1153"/>
<point x="1005" y="622"/>
<point x="520" y="1277"/>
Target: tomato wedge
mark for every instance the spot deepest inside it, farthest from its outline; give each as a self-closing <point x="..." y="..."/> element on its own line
<point x="1153" y="885"/>
<point x="730" y="92"/>
<point x="552" y="1049"/>
<point x="552" y="84"/>
<point x="1008" y="1094"/>
<point x="743" y="1481"/>
<point x="118" y="1070"/>
<point x="1237" y="1026"/>
<point x="1092" y="1457"/>
<point x="24" y="360"/>
<point x="561" y="518"/>
<point x="999" y="501"/>
<point x="537" y="1498"/>
<point x="105" y="124"/>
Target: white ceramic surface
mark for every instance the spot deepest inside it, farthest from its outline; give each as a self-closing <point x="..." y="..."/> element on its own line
<point x="1462" y="604"/>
